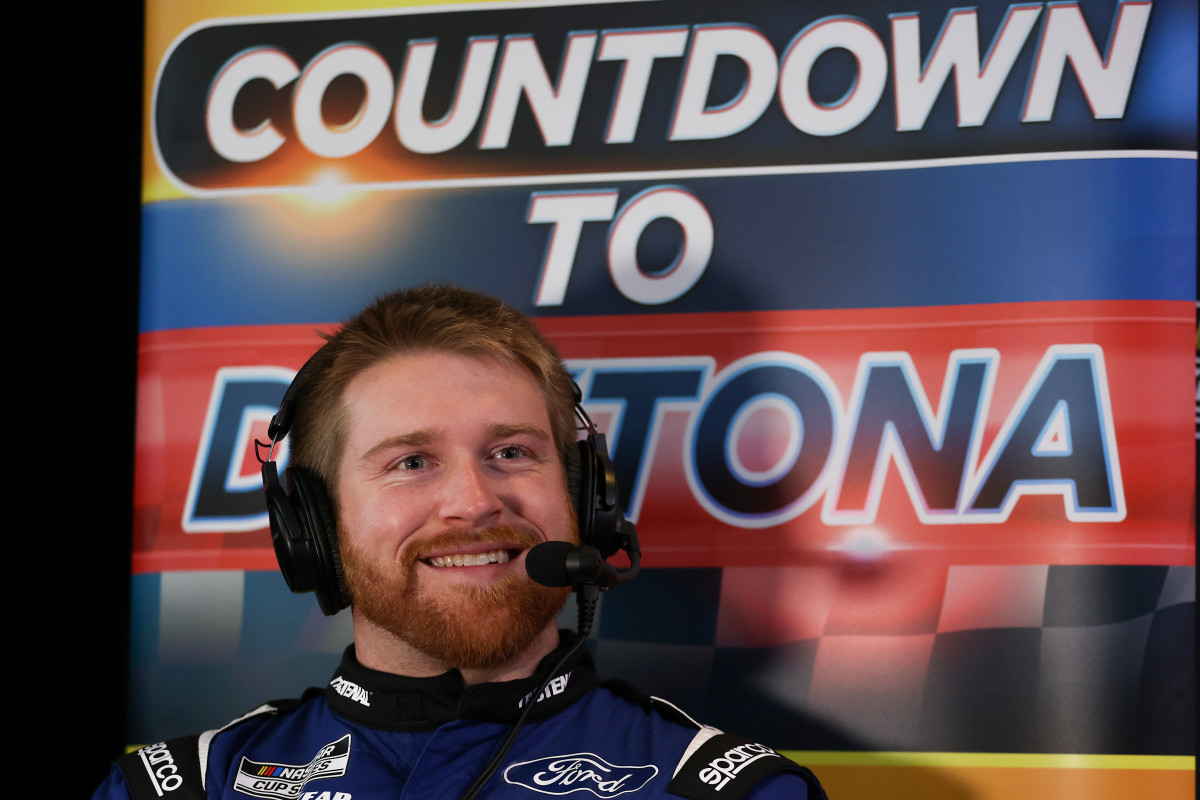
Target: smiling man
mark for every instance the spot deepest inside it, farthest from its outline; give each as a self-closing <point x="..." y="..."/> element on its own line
<point x="433" y="447"/>
<point x="440" y="496"/>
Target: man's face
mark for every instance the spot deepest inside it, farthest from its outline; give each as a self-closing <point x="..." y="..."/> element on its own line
<point x="447" y="477"/>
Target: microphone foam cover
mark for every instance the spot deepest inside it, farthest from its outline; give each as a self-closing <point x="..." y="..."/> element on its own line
<point x="546" y="563"/>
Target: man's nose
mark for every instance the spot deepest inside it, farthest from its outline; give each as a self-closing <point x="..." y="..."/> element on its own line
<point x="469" y="495"/>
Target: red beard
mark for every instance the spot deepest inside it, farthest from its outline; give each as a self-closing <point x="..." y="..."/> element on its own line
<point x="478" y="627"/>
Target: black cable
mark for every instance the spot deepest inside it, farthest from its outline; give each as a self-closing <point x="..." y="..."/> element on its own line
<point x="587" y="595"/>
<point x="587" y="606"/>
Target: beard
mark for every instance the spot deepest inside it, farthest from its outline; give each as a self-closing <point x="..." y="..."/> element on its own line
<point x="469" y="627"/>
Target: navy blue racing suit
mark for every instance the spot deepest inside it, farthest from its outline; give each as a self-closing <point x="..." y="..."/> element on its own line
<point x="370" y="734"/>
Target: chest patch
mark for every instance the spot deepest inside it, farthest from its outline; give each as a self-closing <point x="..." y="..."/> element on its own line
<point x="578" y="772"/>
<point x="287" y="781"/>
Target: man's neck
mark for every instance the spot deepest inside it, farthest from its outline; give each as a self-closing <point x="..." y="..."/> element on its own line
<point x="377" y="649"/>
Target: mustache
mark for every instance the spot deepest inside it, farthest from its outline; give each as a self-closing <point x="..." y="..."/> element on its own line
<point x="501" y="536"/>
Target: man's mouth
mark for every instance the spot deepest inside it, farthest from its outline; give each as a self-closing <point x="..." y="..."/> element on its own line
<point x="470" y="559"/>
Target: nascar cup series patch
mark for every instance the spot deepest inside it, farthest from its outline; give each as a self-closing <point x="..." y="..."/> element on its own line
<point x="285" y="781"/>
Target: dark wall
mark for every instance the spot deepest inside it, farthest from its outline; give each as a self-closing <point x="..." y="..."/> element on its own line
<point x="73" y="262"/>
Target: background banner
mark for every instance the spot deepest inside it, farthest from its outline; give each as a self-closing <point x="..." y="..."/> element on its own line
<point x="888" y="314"/>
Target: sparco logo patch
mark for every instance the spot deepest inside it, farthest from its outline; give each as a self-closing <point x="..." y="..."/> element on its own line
<point x="264" y="779"/>
<point x="724" y="768"/>
<point x="578" y="772"/>
<point x="160" y="766"/>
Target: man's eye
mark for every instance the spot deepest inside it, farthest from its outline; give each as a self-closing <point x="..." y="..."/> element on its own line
<point x="411" y="462"/>
<point x="509" y="452"/>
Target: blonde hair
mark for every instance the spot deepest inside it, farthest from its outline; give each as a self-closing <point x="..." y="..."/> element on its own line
<point x="447" y="319"/>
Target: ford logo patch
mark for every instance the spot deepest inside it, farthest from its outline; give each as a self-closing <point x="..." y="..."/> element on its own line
<point x="578" y="772"/>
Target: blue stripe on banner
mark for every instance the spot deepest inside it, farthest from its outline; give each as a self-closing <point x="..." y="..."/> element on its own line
<point x="1084" y="229"/>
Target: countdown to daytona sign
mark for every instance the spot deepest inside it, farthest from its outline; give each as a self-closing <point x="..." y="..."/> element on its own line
<point x="887" y="314"/>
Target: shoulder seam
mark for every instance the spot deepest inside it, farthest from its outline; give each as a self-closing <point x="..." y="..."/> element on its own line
<point x="205" y="739"/>
<point x="702" y="736"/>
<point x="678" y="711"/>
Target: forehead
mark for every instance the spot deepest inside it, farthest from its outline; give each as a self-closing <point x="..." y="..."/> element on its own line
<point x="435" y="390"/>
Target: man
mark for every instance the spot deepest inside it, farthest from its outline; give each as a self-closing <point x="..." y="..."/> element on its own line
<point x="434" y="446"/>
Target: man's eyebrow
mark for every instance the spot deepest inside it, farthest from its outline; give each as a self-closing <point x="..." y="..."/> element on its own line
<point x="419" y="438"/>
<point x="423" y="437"/>
<point x="506" y="431"/>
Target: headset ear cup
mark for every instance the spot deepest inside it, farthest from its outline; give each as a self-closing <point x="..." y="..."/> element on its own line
<point x="287" y="536"/>
<point x="576" y="490"/>
<point x="313" y="505"/>
<point x="600" y="510"/>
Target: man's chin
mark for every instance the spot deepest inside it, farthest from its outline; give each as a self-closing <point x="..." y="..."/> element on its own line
<point x="470" y="626"/>
<point x="476" y="617"/>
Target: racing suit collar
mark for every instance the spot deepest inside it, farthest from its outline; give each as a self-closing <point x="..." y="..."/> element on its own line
<point x="398" y="702"/>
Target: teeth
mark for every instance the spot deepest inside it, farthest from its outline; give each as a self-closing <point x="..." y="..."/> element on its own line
<point x="470" y="560"/>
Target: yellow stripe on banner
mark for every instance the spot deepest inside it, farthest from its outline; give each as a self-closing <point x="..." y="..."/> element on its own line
<point x="1009" y="760"/>
<point x="1000" y="776"/>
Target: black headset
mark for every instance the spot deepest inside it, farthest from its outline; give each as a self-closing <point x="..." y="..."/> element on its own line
<point x="304" y="524"/>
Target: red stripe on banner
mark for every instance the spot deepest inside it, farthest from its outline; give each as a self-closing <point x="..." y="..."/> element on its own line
<point x="1145" y="349"/>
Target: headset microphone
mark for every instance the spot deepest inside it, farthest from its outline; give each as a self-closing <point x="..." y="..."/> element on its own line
<point x="564" y="564"/>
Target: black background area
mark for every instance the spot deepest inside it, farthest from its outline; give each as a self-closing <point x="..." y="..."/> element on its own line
<point x="73" y="264"/>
